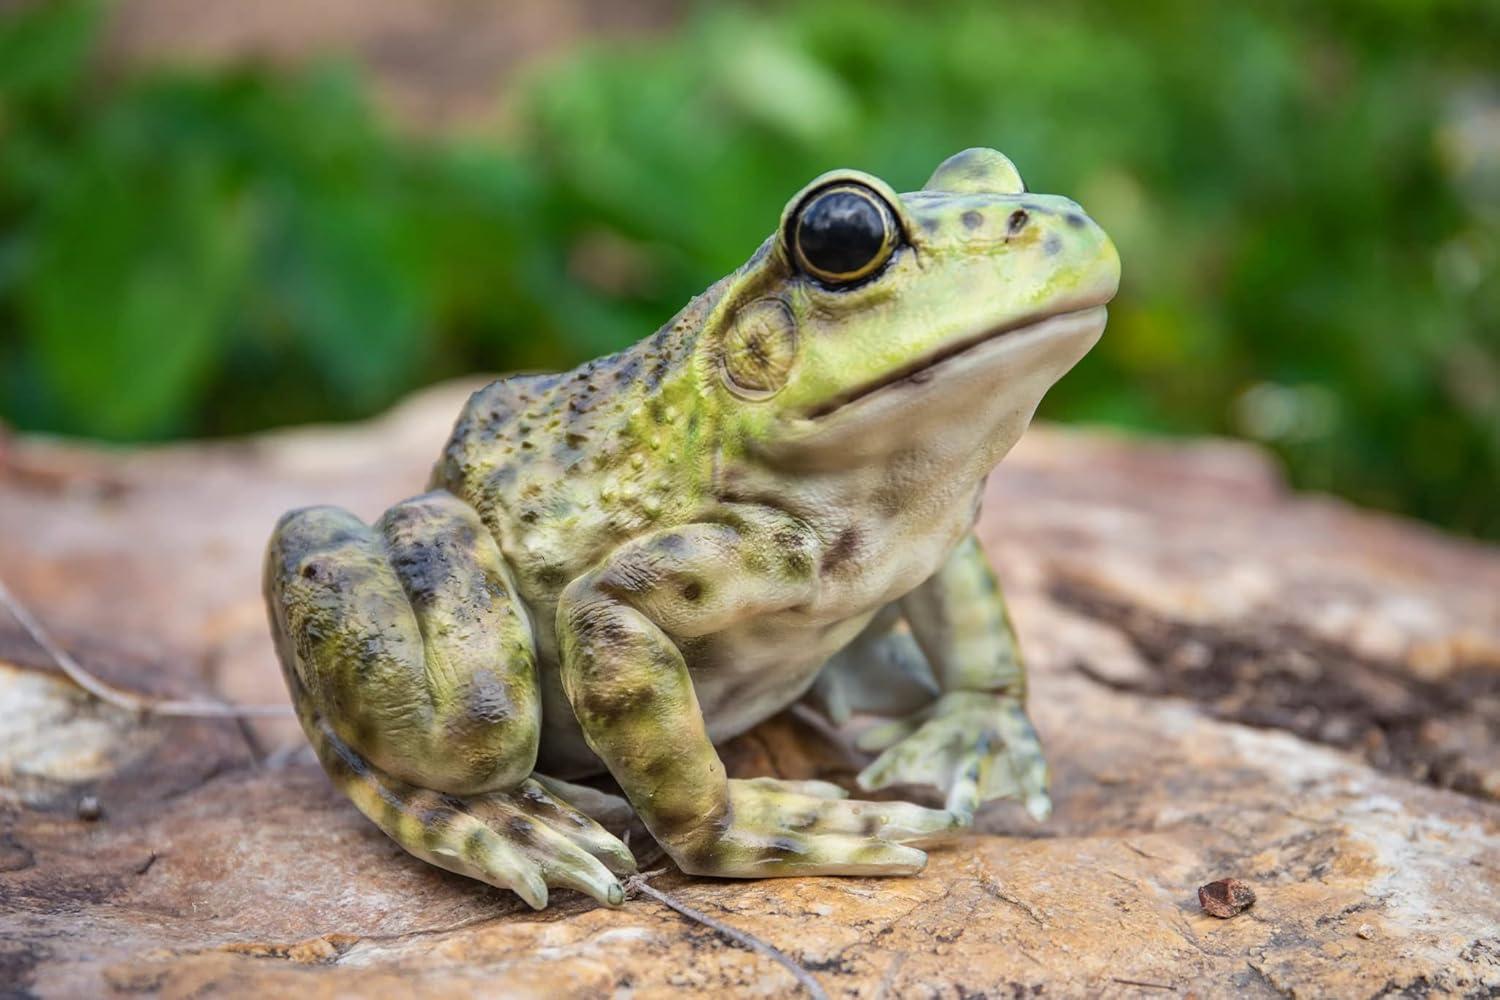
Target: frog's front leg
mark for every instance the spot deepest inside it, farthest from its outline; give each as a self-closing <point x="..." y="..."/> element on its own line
<point x="411" y="663"/>
<point x="975" y="741"/>
<point x="618" y="629"/>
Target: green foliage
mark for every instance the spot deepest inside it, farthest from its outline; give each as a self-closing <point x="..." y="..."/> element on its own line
<point x="1306" y="198"/>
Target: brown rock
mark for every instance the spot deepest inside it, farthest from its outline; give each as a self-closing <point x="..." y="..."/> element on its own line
<point x="1228" y="678"/>
<point x="1225" y="898"/>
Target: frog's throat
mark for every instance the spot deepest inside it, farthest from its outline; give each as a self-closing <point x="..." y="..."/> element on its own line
<point x="966" y="406"/>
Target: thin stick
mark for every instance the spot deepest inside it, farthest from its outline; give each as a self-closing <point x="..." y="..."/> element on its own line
<point x="128" y="700"/>
<point x="1144" y="983"/>
<point x="638" y="883"/>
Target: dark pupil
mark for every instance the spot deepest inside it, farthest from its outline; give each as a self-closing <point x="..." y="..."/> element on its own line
<point x="840" y="232"/>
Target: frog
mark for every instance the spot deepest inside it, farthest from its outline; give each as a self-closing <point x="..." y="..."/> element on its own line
<point x="769" y="502"/>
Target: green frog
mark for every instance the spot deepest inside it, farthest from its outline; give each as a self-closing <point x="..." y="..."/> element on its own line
<point x="773" y="497"/>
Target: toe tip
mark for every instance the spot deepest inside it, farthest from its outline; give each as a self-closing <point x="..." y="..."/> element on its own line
<point x="1039" y="807"/>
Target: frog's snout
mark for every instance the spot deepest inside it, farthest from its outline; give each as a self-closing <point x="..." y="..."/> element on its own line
<point x="1067" y="239"/>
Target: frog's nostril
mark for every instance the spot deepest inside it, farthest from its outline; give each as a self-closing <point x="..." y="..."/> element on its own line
<point x="1017" y="221"/>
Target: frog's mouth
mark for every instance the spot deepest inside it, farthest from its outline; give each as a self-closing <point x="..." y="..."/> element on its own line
<point x="965" y="350"/>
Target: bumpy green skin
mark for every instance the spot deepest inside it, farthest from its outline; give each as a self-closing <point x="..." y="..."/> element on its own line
<point x="621" y="565"/>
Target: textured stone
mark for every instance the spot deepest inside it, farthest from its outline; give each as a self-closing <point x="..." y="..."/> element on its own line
<point x="1228" y="897"/>
<point x="1231" y="680"/>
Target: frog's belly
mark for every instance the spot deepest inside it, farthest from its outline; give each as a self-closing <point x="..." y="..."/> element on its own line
<point x="748" y="673"/>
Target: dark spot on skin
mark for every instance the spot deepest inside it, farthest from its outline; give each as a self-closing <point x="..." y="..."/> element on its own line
<point x="929" y="225"/>
<point x="488" y="701"/>
<point x="842" y="550"/>
<point x="1017" y="221"/>
<point x="431" y="820"/>
<point x="788" y="538"/>
<point x="1075" y="220"/>
<point x="351" y="763"/>
<point x="598" y="622"/>
<point x="312" y="571"/>
<point x="794" y="549"/>
<point x="972" y="219"/>
<point x="692" y="591"/>
<point x="1052" y="245"/>
<point x="609" y="708"/>
<point x="522" y="829"/>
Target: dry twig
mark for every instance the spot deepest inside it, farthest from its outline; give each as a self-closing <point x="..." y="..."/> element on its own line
<point x="638" y="883"/>
<point x="128" y="700"/>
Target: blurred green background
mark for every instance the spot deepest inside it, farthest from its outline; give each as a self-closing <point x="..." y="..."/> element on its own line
<point x="1306" y="197"/>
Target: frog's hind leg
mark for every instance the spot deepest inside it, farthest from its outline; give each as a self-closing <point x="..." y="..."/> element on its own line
<point x="412" y="666"/>
<point x="523" y="839"/>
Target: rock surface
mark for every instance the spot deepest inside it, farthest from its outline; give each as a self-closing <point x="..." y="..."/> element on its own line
<point x="1233" y="682"/>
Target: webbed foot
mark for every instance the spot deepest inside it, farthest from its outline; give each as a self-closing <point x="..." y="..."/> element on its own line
<point x="811" y="828"/>
<point x="973" y="746"/>
<point x="526" y="839"/>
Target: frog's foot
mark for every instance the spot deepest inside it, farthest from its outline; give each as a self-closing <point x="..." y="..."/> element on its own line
<point x="974" y="746"/>
<point x="609" y="811"/>
<point x="810" y="828"/>
<point x="524" y="840"/>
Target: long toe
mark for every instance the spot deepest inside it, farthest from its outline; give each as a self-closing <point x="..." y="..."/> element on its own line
<point x="585" y="873"/>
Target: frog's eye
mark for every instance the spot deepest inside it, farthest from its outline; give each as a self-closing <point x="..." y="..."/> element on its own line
<point x="843" y="234"/>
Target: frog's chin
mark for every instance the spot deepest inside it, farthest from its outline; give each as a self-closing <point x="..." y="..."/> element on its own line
<point x="977" y="400"/>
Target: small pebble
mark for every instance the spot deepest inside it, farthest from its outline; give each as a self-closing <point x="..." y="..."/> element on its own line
<point x="89" y="808"/>
<point x="1365" y="931"/>
<point x="1225" y="898"/>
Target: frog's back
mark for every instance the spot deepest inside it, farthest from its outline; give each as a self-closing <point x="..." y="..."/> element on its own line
<point x="564" y="467"/>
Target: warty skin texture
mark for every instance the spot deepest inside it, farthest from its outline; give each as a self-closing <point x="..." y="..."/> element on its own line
<point x="621" y="565"/>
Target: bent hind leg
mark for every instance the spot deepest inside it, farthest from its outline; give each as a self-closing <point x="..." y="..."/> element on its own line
<point x="412" y="665"/>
